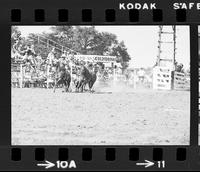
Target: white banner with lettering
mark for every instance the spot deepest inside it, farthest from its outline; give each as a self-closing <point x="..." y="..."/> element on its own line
<point x="96" y="58"/>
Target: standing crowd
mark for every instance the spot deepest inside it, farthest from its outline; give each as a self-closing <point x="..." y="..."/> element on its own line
<point x="38" y="68"/>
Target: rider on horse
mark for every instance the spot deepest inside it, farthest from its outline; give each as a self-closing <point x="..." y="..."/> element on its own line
<point x="62" y="74"/>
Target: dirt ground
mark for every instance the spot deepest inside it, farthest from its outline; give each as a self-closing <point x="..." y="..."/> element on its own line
<point x="136" y="117"/>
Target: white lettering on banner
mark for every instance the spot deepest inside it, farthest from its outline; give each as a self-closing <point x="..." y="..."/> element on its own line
<point x="96" y="58"/>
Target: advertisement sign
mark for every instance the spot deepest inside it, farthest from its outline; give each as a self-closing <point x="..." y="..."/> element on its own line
<point x="96" y="58"/>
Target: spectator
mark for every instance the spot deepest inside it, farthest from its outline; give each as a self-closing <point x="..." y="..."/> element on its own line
<point x="51" y="57"/>
<point x="141" y="74"/>
<point x="179" y="68"/>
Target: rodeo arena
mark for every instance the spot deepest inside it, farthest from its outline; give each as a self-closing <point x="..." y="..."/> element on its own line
<point x="68" y="98"/>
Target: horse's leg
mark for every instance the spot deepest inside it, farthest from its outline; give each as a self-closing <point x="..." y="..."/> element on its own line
<point x="84" y="87"/>
<point x="91" y="85"/>
<point x="68" y="84"/>
<point x="55" y="85"/>
<point x="76" y="86"/>
<point x="81" y="85"/>
<point x="87" y="83"/>
<point x="65" y="86"/>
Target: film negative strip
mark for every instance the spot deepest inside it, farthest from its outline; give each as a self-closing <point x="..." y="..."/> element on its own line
<point x="99" y="85"/>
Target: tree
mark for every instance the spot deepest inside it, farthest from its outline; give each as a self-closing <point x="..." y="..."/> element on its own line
<point x="84" y="40"/>
<point x="104" y="42"/>
<point x="62" y="35"/>
<point x="40" y="46"/>
<point x="15" y="34"/>
<point x="120" y="51"/>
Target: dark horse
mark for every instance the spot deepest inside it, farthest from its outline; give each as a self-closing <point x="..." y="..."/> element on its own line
<point x="86" y="77"/>
<point x="62" y="76"/>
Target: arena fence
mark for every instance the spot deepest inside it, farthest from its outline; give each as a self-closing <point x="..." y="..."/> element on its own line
<point x="179" y="81"/>
<point x="163" y="78"/>
<point x="17" y="75"/>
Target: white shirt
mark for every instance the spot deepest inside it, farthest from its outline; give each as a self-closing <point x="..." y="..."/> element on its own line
<point x="50" y="57"/>
<point x="141" y="73"/>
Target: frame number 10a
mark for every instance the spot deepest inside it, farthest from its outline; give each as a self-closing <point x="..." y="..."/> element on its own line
<point x="58" y="164"/>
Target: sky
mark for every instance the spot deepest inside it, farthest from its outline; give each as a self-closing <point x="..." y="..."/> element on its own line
<point x="141" y="42"/>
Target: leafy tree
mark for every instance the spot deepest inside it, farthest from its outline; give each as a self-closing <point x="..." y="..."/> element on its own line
<point x="120" y="51"/>
<point x="40" y="45"/>
<point x="15" y="34"/>
<point x="62" y="35"/>
<point x="103" y="43"/>
<point x="85" y="40"/>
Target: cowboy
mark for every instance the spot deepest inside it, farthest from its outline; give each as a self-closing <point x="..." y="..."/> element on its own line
<point x="90" y="67"/>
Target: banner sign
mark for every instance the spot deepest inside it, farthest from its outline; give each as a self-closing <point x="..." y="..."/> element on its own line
<point x="96" y="58"/>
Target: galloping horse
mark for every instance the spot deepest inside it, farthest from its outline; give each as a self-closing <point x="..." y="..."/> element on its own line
<point x="86" y="77"/>
<point x="62" y="76"/>
<point x="94" y="77"/>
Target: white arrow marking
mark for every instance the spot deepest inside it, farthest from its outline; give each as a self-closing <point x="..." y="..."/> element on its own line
<point x="146" y="163"/>
<point x="46" y="165"/>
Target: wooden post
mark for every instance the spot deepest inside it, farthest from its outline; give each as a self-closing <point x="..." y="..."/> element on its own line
<point x="48" y="68"/>
<point x="21" y="76"/>
<point x="114" y="76"/>
<point x="174" y="40"/>
<point x="47" y="43"/>
<point x="38" y="39"/>
<point x="135" y="79"/>
<point x="71" y="70"/>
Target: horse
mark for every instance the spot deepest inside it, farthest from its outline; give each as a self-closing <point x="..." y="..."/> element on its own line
<point x="62" y="76"/>
<point x="94" y="78"/>
<point x="86" y="77"/>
